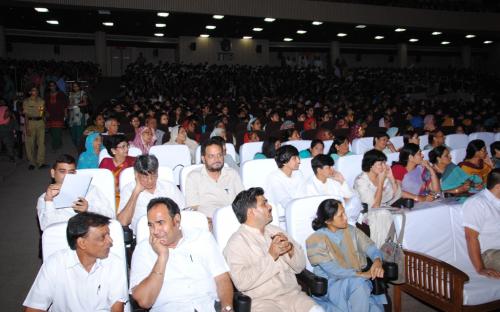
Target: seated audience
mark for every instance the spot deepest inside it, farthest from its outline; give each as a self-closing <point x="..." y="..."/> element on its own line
<point x="339" y="148"/>
<point x="178" y="135"/>
<point x="87" y="277"/>
<point x="476" y="160"/>
<point x="481" y="219"/>
<point x="411" y="137"/>
<point x="144" y="139"/>
<point x="136" y="195"/>
<point x="214" y="185"/>
<point x="228" y="159"/>
<point x="152" y="123"/>
<point x="382" y="143"/>
<point x="163" y="126"/>
<point x="495" y="153"/>
<point x="90" y="158"/>
<point x="96" y="126"/>
<point x="111" y="126"/>
<point x="178" y="270"/>
<point x="292" y="135"/>
<point x="357" y="131"/>
<point x="263" y="260"/>
<point x="338" y="251"/>
<point x="94" y="201"/>
<point x="269" y="148"/>
<point x="416" y="175"/>
<point x="324" y="134"/>
<point x="436" y="138"/>
<point x="274" y="124"/>
<point x="317" y="148"/>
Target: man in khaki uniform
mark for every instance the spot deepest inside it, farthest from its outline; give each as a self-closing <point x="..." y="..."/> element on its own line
<point x="34" y="108"/>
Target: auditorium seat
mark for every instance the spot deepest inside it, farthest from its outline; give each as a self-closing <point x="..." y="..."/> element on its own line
<point x="173" y="156"/>
<point x="361" y="145"/>
<point x="184" y="173"/>
<point x="299" y="144"/>
<point x="456" y="140"/>
<point x="248" y="151"/>
<point x="424" y="140"/>
<point x="350" y="167"/>
<point x="306" y="168"/>
<point x="457" y="155"/>
<point x="397" y="141"/>
<point x="127" y="176"/>
<point x="254" y="172"/>
<point x="104" y="181"/>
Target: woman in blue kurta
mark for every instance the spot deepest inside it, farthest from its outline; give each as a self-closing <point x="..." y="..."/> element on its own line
<point x="337" y="251"/>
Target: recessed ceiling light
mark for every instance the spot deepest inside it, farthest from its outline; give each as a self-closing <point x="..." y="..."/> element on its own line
<point x="341" y="34"/>
<point x="436" y="33"/>
<point x="160" y="25"/>
<point x="301" y="31"/>
<point x="41" y="10"/>
<point x="360" y="26"/>
<point x="53" y="22"/>
<point x="413" y="40"/>
<point x="204" y="35"/>
<point x="400" y="29"/>
<point x="269" y="19"/>
<point x="379" y="37"/>
<point x="487" y="42"/>
<point x="163" y="14"/>
<point x="257" y="29"/>
<point x="159" y="34"/>
<point x="210" y="27"/>
<point x="317" y="23"/>
<point x="218" y="16"/>
<point x="445" y="42"/>
<point x="247" y="37"/>
<point x="470" y="36"/>
<point x="287" y="39"/>
<point x="108" y="24"/>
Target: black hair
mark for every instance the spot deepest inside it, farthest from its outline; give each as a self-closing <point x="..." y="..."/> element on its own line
<point x="112" y="141"/>
<point x="379" y="135"/>
<point x="64" y="159"/>
<point x="408" y="135"/>
<point x="435" y="153"/>
<point x="321" y="160"/>
<point x="209" y="142"/>
<point x="432" y="135"/>
<point x="218" y="138"/>
<point x="268" y="148"/>
<point x="244" y="200"/>
<point x="494" y="146"/>
<point x="405" y="152"/>
<point x="370" y="158"/>
<point x="316" y="142"/>
<point x="172" y="207"/>
<point x="146" y="164"/>
<point x="338" y="141"/>
<point x="289" y="133"/>
<point x="79" y="224"/>
<point x="326" y="211"/>
<point x="473" y="147"/>
<point x="284" y="154"/>
<point x="493" y="178"/>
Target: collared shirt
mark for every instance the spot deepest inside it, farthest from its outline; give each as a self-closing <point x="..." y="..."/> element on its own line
<point x="331" y="187"/>
<point x="48" y="214"/>
<point x="482" y="214"/>
<point x="280" y="188"/>
<point x="163" y="189"/>
<point x="34" y="108"/>
<point x="189" y="279"/>
<point x="208" y="194"/>
<point x="366" y="190"/>
<point x="64" y="285"/>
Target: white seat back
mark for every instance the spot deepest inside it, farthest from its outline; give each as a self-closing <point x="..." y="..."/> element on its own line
<point x="426" y="154"/>
<point x="457" y="155"/>
<point x="230" y="150"/>
<point x="299" y="144"/>
<point x="173" y="156"/>
<point x="328" y="144"/>
<point x="104" y="181"/>
<point x="299" y="216"/>
<point x="350" y="167"/>
<point x="248" y="151"/>
<point x="424" y="140"/>
<point x="184" y="173"/>
<point x="255" y="172"/>
<point x="189" y="220"/>
<point x="132" y="151"/>
<point x="397" y="141"/>
<point x="455" y="141"/>
<point x="392" y="157"/>
<point x="497" y="136"/>
<point x="127" y="176"/>
<point x="306" y="168"/>
<point x="361" y="145"/>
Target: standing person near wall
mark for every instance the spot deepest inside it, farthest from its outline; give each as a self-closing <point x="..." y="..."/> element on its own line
<point x="77" y="110"/>
<point x="34" y="109"/>
<point x="57" y="110"/>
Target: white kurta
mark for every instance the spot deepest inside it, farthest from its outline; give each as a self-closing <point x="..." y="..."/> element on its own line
<point x="280" y="188"/>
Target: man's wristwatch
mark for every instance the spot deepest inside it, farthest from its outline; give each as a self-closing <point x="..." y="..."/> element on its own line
<point x="227" y="308"/>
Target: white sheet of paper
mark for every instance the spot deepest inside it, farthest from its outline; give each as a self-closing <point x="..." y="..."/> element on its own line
<point x="74" y="186"/>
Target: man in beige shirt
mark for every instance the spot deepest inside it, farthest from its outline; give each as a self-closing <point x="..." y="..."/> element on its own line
<point x="212" y="186"/>
<point x="262" y="259"/>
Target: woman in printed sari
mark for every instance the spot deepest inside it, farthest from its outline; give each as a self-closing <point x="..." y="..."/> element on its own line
<point x="417" y="177"/>
<point x="90" y="158"/>
<point x="144" y="139"/>
<point x="117" y="147"/>
<point x="453" y="179"/>
<point x="476" y="160"/>
<point x="337" y="251"/>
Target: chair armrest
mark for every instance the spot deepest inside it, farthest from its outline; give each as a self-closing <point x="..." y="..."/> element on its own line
<point x="312" y="284"/>
<point x="241" y="302"/>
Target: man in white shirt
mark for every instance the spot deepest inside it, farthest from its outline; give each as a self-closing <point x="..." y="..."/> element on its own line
<point x="94" y="201"/>
<point x="86" y="278"/>
<point x="481" y="223"/>
<point x="135" y="196"/>
<point x="214" y="185"/>
<point x="284" y="184"/>
<point x="175" y="270"/>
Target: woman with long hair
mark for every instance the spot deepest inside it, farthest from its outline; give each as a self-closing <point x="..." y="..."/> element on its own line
<point x="476" y="160"/>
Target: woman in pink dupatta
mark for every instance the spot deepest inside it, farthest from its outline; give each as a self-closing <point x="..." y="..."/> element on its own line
<point x="144" y="139"/>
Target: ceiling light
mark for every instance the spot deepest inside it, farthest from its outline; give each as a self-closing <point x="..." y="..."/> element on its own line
<point x="210" y="27"/>
<point x="317" y="23"/>
<point x="400" y="29"/>
<point x="436" y="33"/>
<point x="163" y="14"/>
<point x="487" y="42"/>
<point x="341" y="34"/>
<point x="287" y="39"/>
<point x="257" y="29"/>
<point x="41" y="10"/>
<point x="204" y="35"/>
<point x="159" y="34"/>
<point x="53" y="22"/>
<point x="360" y="26"/>
<point x="109" y="24"/>
<point x="379" y="37"/>
<point x="301" y="32"/>
<point x="470" y="36"/>
<point x="247" y="37"/>
<point x="160" y="25"/>
<point x="218" y="16"/>
<point x="413" y="40"/>
<point x="445" y="42"/>
<point x="269" y="19"/>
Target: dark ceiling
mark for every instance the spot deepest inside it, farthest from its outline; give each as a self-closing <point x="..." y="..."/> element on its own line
<point x="142" y="23"/>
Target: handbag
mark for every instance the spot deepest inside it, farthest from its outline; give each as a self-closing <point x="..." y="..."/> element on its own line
<point x="392" y="251"/>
